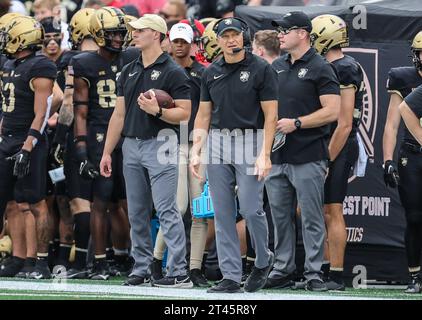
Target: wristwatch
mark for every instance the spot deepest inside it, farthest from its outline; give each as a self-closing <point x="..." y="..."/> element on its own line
<point x="298" y="123"/>
<point x="159" y="113"/>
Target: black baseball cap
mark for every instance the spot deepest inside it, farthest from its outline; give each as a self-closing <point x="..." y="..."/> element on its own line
<point x="228" y="24"/>
<point x="294" y="19"/>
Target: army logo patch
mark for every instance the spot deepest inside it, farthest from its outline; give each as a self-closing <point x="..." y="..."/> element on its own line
<point x="155" y="74"/>
<point x="244" y="76"/>
<point x="100" y="137"/>
<point x="194" y="74"/>
<point x="228" y="22"/>
<point x="114" y="69"/>
<point x="101" y="73"/>
<point x="302" y="72"/>
<point x="404" y="162"/>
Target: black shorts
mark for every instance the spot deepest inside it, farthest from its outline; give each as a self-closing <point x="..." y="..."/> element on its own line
<point x="106" y="189"/>
<point x="410" y="186"/>
<point x="335" y="187"/>
<point x="32" y="187"/>
<point x="76" y="186"/>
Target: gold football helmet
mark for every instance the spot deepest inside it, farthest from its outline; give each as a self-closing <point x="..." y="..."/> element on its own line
<point x="104" y="23"/>
<point x="128" y="38"/>
<point x="209" y="41"/>
<point x="416" y="49"/>
<point x="6" y="18"/>
<point x="22" y="32"/>
<point x="328" y="31"/>
<point x="79" y="26"/>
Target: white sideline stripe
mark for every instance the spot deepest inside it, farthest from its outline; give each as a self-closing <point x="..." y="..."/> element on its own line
<point x="162" y="292"/>
<point x="53" y="295"/>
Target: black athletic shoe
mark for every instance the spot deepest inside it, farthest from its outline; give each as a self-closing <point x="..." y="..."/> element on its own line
<point x="135" y="280"/>
<point x="100" y="270"/>
<point x="174" y="282"/>
<point x="280" y="282"/>
<point x="121" y="269"/>
<point x="316" y="285"/>
<point x="11" y="266"/>
<point x="335" y="285"/>
<point x="226" y="286"/>
<point x="414" y="286"/>
<point x="41" y="271"/>
<point x="156" y="270"/>
<point x="77" y="273"/>
<point x="25" y="272"/>
<point x="198" y="278"/>
<point x="258" y="277"/>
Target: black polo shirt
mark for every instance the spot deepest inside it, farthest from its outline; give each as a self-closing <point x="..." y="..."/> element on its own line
<point x="236" y="90"/>
<point x="300" y="85"/>
<point x="164" y="74"/>
<point x="414" y="101"/>
<point x="194" y="73"/>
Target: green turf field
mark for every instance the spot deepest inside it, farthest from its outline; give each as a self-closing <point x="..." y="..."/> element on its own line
<point x="12" y="289"/>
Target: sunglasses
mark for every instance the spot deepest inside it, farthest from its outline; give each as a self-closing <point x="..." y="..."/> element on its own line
<point x="284" y="31"/>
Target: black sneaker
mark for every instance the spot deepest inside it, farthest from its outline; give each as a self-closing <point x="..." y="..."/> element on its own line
<point x="41" y="271"/>
<point x="335" y="285"/>
<point x="414" y="286"/>
<point x="121" y="269"/>
<point x="258" y="277"/>
<point x="135" y="280"/>
<point x="279" y="282"/>
<point x="174" y="282"/>
<point x="77" y="273"/>
<point x="198" y="278"/>
<point x="246" y="272"/>
<point x="25" y="272"/>
<point x="100" y="270"/>
<point x="316" y="285"/>
<point x="11" y="266"/>
<point x="226" y="286"/>
<point x="156" y="270"/>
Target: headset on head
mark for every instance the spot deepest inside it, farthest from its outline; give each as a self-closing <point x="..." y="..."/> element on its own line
<point x="245" y="30"/>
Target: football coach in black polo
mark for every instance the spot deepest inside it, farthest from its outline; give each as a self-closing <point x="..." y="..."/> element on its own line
<point x="309" y="99"/>
<point x="239" y="102"/>
<point x="150" y="150"/>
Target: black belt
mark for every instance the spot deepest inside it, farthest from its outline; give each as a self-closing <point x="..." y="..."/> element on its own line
<point x="412" y="147"/>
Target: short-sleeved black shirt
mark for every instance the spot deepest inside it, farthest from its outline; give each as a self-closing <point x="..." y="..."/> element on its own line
<point x="414" y="101"/>
<point x="236" y="90"/>
<point x="18" y="92"/>
<point x="403" y="80"/>
<point x="101" y="76"/>
<point x="300" y="85"/>
<point x="194" y="73"/>
<point x="164" y="74"/>
<point x="350" y="75"/>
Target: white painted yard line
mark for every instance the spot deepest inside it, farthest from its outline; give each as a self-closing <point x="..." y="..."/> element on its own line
<point x="162" y="292"/>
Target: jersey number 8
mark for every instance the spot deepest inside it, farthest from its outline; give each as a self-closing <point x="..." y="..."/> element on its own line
<point x="106" y="90"/>
<point x="9" y="104"/>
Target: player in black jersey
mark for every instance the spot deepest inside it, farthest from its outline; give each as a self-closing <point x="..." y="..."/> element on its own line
<point x="76" y="186"/>
<point x="27" y="82"/>
<point x="95" y="75"/>
<point x="401" y="82"/>
<point x="329" y="35"/>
